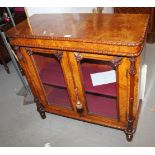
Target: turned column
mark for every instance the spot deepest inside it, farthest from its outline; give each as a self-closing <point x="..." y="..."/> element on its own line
<point x="130" y="119"/>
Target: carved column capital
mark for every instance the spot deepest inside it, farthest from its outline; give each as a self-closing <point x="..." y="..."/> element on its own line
<point x="116" y="61"/>
<point x="59" y="54"/>
<point x="78" y="56"/>
<point x="29" y="51"/>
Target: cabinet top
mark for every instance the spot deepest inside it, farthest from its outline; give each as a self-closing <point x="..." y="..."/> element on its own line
<point x="117" y="29"/>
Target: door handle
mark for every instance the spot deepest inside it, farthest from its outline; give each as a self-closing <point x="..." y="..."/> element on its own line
<point x="79" y="107"/>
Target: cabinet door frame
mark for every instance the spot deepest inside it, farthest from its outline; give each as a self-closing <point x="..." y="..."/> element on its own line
<point x="37" y="86"/>
<point x="121" y="65"/>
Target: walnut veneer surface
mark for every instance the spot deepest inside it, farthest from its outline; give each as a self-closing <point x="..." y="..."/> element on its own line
<point x="110" y="29"/>
<point x="77" y="45"/>
<point x="141" y="10"/>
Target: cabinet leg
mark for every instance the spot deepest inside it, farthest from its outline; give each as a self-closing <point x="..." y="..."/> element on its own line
<point x="129" y="131"/>
<point x="40" y="109"/>
<point x="129" y="137"/>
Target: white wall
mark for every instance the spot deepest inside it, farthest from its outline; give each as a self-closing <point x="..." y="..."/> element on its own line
<point x="108" y="10"/>
<point x="37" y="10"/>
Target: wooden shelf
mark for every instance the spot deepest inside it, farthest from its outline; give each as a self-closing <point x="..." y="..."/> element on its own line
<point x="57" y="96"/>
<point x="90" y="68"/>
<point x="98" y="105"/>
<point x="52" y="74"/>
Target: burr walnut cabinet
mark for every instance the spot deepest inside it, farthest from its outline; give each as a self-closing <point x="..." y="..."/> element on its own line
<point x="84" y="66"/>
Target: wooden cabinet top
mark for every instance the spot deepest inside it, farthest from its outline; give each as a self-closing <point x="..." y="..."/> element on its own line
<point x="105" y="29"/>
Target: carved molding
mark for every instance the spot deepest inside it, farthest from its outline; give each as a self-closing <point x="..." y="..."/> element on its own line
<point x="78" y="56"/>
<point x="81" y="49"/>
<point x="116" y="61"/>
<point x="16" y="48"/>
<point x="59" y="54"/>
<point x="40" y="108"/>
<point x="29" y="51"/>
<point x="108" y="42"/>
<point x="132" y="66"/>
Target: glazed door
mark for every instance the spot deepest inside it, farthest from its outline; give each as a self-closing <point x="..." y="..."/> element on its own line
<point x="99" y="76"/>
<point x="51" y="78"/>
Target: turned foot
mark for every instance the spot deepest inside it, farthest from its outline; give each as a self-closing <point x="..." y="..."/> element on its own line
<point x="129" y="137"/>
<point x="129" y="134"/>
<point x="129" y="131"/>
<point x="40" y="109"/>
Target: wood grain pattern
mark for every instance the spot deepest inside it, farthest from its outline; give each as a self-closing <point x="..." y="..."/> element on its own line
<point x="98" y="48"/>
<point x="141" y="10"/>
<point x="101" y="28"/>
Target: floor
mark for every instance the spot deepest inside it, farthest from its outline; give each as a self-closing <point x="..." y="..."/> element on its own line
<point x="21" y="125"/>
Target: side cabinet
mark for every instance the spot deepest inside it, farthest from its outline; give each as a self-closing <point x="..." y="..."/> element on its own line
<point x="84" y="66"/>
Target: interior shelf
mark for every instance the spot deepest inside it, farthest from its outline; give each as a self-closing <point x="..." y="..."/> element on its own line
<point x="105" y="89"/>
<point x="97" y="105"/>
<point x="52" y="74"/>
<point x="57" y="96"/>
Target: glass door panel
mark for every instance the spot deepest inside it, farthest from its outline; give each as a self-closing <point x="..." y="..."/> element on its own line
<point x="51" y="76"/>
<point x="99" y="80"/>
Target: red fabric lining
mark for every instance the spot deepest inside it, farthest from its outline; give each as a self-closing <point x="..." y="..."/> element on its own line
<point x="52" y="74"/>
<point x="57" y="96"/>
<point x="102" y="106"/>
<point x="99" y="105"/>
